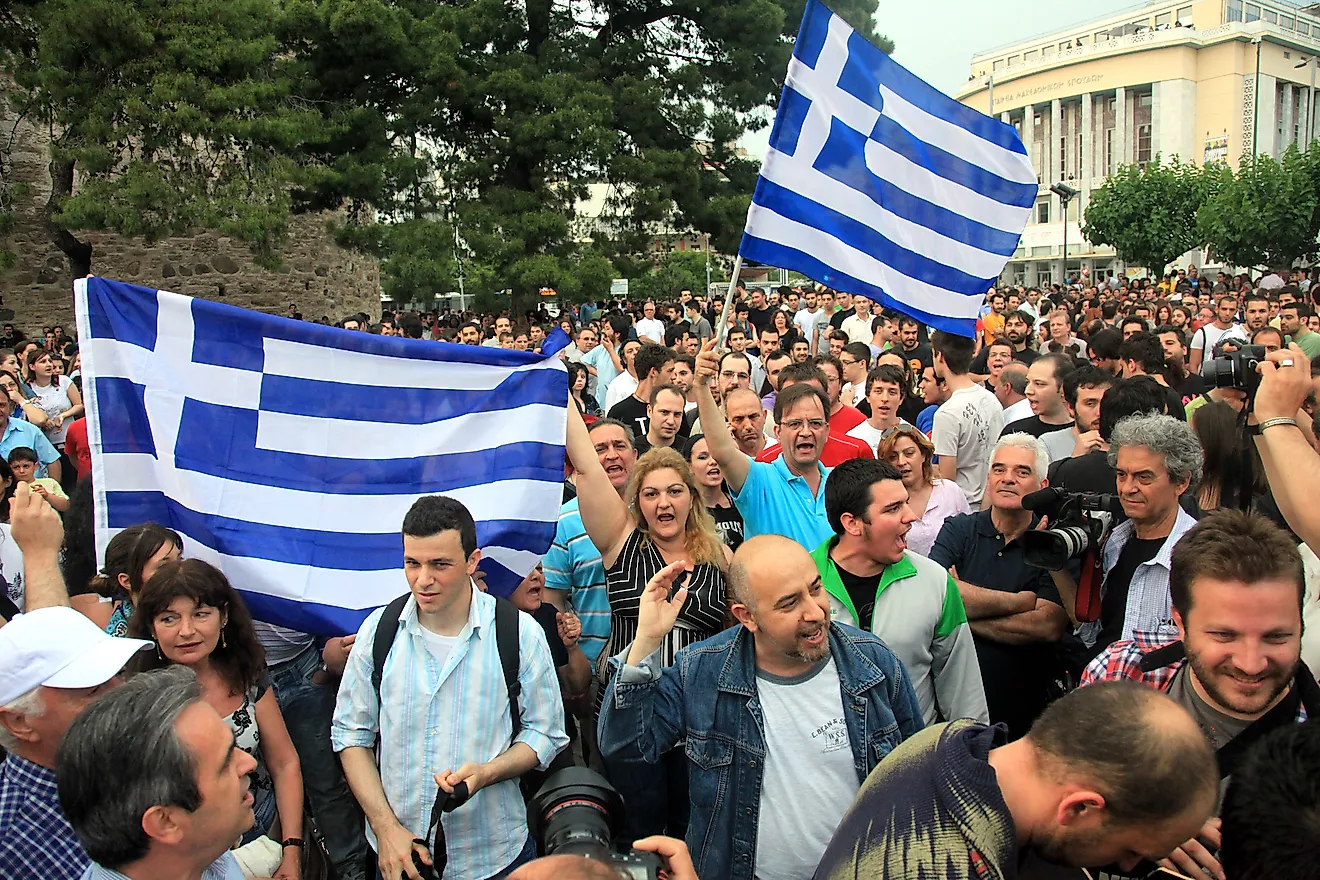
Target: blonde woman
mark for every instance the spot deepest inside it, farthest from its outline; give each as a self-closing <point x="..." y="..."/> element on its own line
<point x="660" y="520"/>
<point x="932" y="499"/>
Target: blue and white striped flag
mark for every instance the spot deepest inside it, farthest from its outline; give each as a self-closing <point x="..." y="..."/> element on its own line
<point x="286" y="453"/>
<point x="878" y="184"/>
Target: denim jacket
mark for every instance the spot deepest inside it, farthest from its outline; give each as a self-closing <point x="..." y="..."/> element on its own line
<point x="708" y="699"/>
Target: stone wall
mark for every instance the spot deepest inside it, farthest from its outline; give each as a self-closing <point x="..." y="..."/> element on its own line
<point x="316" y="275"/>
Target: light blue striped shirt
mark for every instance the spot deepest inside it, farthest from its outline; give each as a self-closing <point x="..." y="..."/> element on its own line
<point x="573" y="566"/>
<point x="224" y="868"/>
<point x="433" y="718"/>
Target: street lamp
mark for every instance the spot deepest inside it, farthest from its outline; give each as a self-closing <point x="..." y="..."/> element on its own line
<point x="1066" y="194"/>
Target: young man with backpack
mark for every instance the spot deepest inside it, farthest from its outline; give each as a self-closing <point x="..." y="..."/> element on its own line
<point x="443" y="701"/>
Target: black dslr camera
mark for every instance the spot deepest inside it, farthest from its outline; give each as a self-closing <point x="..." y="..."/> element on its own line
<point x="1078" y="523"/>
<point x="1235" y="369"/>
<point x="577" y="812"/>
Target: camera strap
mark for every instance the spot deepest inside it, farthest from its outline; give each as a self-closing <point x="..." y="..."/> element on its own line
<point x="445" y="802"/>
<point x="1087" y="606"/>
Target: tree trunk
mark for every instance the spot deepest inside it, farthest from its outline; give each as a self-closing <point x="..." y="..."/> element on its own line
<point x="78" y="253"/>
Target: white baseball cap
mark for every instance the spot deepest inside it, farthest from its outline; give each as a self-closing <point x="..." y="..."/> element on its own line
<point x="58" y="647"/>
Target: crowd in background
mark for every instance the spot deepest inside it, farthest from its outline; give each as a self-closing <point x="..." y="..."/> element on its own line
<point x="811" y="608"/>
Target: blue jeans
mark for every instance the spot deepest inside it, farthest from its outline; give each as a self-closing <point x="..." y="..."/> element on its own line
<point x="307" y="708"/>
<point x="528" y="853"/>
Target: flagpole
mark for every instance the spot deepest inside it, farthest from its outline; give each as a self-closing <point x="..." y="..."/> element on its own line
<point x="728" y="303"/>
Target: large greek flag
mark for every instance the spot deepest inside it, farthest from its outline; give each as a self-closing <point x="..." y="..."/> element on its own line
<point x="878" y="184"/>
<point x="287" y="453"/>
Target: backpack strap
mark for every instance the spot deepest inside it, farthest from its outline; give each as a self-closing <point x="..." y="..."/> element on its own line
<point x="386" y="629"/>
<point x="506" y="640"/>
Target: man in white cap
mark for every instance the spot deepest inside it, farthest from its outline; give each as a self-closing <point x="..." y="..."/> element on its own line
<point x="53" y="663"/>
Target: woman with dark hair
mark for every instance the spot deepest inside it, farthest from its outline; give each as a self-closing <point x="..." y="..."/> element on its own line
<point x="577" y="385"/>
<point x="131" y="558"/>
<point x="197" y="620"/>
<point x="714" y="492"/>
<point x="788" y="334"/>
<point x="1216" y="426"/>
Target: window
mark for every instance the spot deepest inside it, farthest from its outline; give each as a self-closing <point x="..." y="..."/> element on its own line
<point x="1081" y="164"/>
<point x="1107" y="156"/>
<point x="1143" y="144"/>
<point x="1048" y="51"/>
<point x="1184" y="16"/>
<point x="1270" y="16"/>
<point x="1233" y="12"/>
<point x="1029" y="56"/>
<point x="1063" y="156"/>
<point x="1014" y="60"/>
<point x="1286" y="22"/>
<point x="1072" y="210"/>
<point x="1164" y="19"/>
<point x="1141" y="120"/>
<point x="1043" y="210"/>
<point x="1253" y="13"/>
<point x="1102" y="37"/>
<point x="1303" y="28"/>
<point x="999" y="65"/>
<point x="1042" y="250"/>
<point x="1083" y="40"/>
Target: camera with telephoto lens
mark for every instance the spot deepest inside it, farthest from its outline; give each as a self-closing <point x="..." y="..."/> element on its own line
<point x="577" y="812"/>
<point x="1236" y="369"/>
<point x="1078" y="523"/>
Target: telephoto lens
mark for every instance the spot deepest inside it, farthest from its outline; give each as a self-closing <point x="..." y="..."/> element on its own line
<point x="580" y="813"/>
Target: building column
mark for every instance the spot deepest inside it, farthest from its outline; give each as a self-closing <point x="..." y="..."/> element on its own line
<point x="1286" y="139"/>
<point x="1056" y="129"/>
<point x="1084" y="161"/>
<point x="1267" y="116"/>
<point x="1121" y="118"/>
<point x="1005" y="118"/>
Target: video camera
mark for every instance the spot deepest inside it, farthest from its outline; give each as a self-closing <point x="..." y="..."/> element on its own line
<point x="1235" y="369"/>
<point x="577" y="812"/>
<point x="1078" y="523"/>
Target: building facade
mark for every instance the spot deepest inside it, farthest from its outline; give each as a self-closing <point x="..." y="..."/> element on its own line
<point x="1205" y="81"/>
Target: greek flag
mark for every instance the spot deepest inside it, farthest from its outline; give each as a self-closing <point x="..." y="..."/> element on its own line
<point x="286" y="453"/>
<point x="878" y="184"/>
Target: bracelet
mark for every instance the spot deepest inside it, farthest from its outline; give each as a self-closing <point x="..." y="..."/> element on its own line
<point x="1281" y="420"/>
<point x="294" y="841"/>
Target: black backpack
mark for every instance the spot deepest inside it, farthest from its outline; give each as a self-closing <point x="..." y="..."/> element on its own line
<point x="506" y="641"/>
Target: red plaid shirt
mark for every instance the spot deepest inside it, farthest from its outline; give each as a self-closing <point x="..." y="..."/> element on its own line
<point x="1123" y="659"/>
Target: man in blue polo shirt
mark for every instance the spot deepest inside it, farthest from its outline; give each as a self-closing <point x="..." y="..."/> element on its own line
<point x="785" y="496"/>
<point x="17" y="432"/>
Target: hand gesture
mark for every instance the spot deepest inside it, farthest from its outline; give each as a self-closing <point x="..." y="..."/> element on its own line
<point x="1285" y="380"/>
<point x="656" y="611"/>
<point x="708" y="362"/>
<point x="475" y="775"/>
<point x="570" y="628"/>
<point x="1087" y="443"/>
<point x="394" y="854"/>
<point x="35" y="525"/>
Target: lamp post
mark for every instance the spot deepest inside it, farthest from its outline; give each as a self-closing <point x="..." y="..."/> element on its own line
<point x="1066" y="194"/>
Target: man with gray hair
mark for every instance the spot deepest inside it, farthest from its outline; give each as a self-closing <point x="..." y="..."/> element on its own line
<point x="1014" y="609"/>
<point x="1011" y="392"/>
<point x="154" y="783"/>
<point x="1156" y="459"/>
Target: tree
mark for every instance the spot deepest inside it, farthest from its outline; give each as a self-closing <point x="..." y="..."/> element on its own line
<point x="1148" y="213"/>
<point x="678" y="270"/>
<point x="1267" y="215"/>
<point x="162" y="116"/>
<point x="497" y="117"/>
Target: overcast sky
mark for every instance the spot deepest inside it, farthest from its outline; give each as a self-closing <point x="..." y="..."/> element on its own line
<point x="935" y="39"/>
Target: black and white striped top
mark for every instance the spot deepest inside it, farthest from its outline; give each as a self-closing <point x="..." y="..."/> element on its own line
<point x="703" y="613"/>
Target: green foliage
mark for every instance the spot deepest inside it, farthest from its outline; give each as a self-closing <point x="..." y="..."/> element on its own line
<point x="679" y="269"/>
<point x="163" y="115"/>
<point x="498" y="117"/>
<point x="1149" y="214"/>
<point x="1267" y="214"/>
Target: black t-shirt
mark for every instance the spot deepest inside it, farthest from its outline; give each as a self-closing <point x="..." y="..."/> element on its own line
<point x="918" y="358"/>
<point x="1175" y="403"/>
<point x="1191" y="387"/>
<point x="908" y="410"/>
<point x="632" y="412"/>
<point x="760" y="318"/>
<point x="1113" y="605"/>
<point x="836" y="322"/>
<point x="862" y="592"/>
<point x="1034" y="426"/>
<point x="728" y="525"/>
<point x="545" y="615"/>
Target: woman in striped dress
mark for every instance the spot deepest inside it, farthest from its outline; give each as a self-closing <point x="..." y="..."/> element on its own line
<point x="660" y="520"/>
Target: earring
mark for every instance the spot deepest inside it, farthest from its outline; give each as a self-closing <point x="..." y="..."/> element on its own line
<point x="222" y="638"/>
<point x="159" y="653"/>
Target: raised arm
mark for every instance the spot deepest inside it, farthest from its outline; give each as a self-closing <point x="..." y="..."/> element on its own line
<point x="604" y="514"/>
<point x="1292" y="466"/>
<point x="733" y="464"/>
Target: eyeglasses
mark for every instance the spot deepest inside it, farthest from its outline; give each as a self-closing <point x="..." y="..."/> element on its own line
<point x="847" y="363"/>
<point x="796" y="424"/>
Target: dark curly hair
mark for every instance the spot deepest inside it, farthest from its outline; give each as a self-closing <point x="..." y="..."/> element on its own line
<point x="238" y="656"/>
<point x="128" y="554"/>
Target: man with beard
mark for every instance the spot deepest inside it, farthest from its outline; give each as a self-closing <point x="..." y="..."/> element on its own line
<point x="877" y="584"/>
<point x="1237" y="588"/>
<point x="1110" y="775"/>
<point x="1174" y="343"/>
<point x="915" y="352"/>
<point x="783" y="716"/>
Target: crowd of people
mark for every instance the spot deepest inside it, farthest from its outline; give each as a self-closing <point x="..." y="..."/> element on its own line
<point x="832" y="594"/>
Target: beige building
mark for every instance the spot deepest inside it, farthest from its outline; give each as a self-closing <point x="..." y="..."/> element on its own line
<point x="1206" y="81"/>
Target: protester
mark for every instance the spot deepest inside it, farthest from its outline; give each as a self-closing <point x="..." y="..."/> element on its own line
<point x="766" y="796"/>
<point x="1111" y="774"/>
<point x="23" y="463"/>
<point x="152" y="784"/>
<point x="885" y="391"/>
<point x="131" y="558"/>
<point x="876" y="584"/>
<point x="388" y="739"/>
<point x="196" y="619"/>
<point x="967" y="423"/>
<point x="61" y="401"/>
<point x="714" y="493"/>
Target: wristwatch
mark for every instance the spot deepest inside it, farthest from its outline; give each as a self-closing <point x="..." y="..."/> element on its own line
<point x="293" y="841"/>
